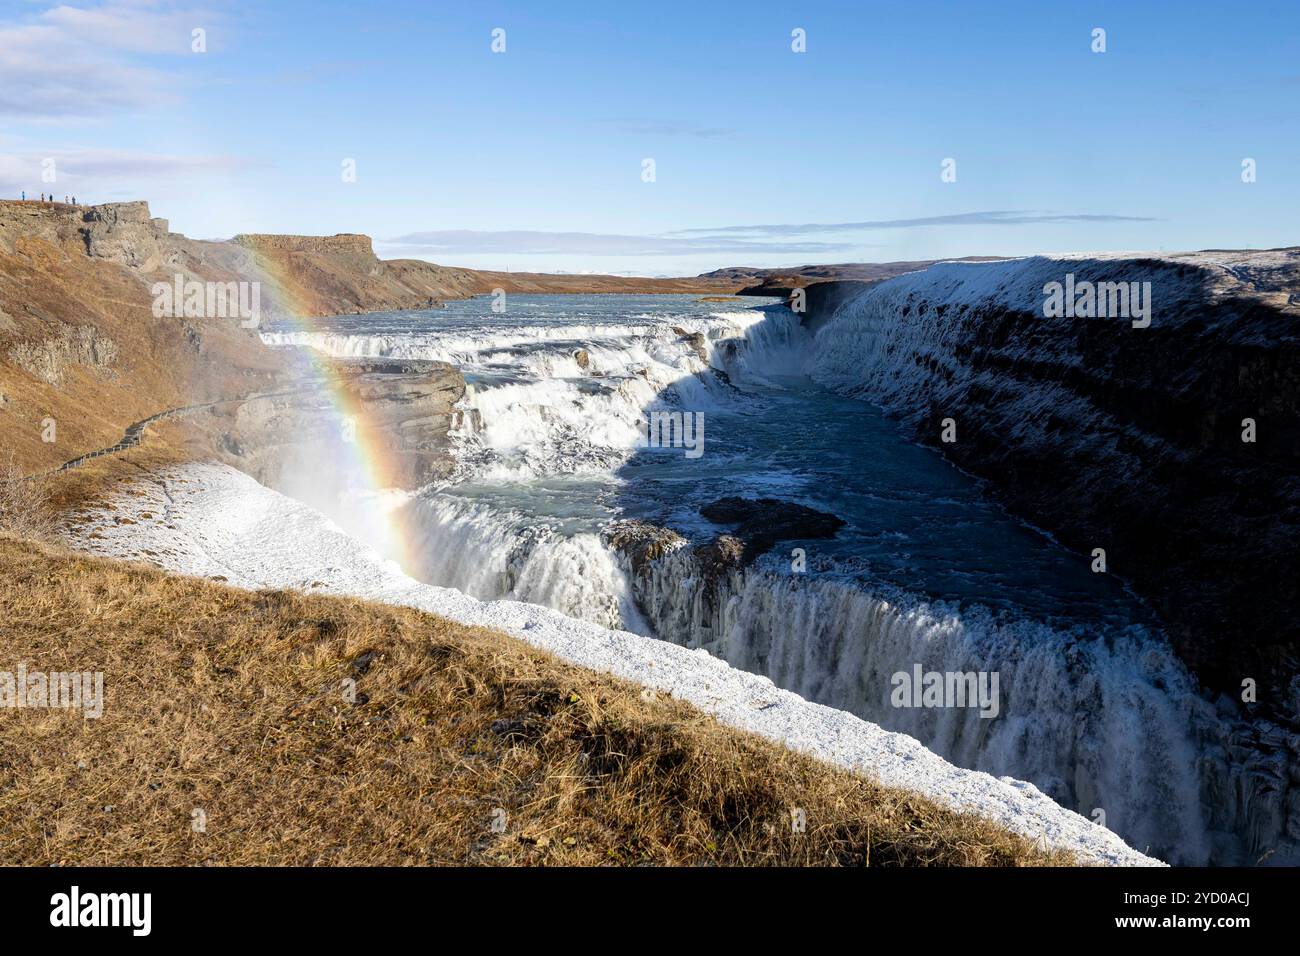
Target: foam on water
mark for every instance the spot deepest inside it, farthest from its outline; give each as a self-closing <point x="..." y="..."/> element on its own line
<point x="491" y="555"/>
<point x="531" y="409"/>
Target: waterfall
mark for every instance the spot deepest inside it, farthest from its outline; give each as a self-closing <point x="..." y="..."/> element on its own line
<point x="491" y="555"/>
<point x="1105" y="720"/>
<point x="1111" y="724"/>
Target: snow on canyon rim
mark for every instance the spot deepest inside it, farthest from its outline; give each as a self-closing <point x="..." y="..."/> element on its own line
<point x="208" y="519"/>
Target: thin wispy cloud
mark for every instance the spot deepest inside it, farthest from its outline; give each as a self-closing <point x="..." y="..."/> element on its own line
<point x="771" y="238"/>
<point x="319" y="72"/>
<point x="985" y="218"/>
<point x="84" y="62"/>
<point x="524" y="242"/>
<point x="80" y="169"/>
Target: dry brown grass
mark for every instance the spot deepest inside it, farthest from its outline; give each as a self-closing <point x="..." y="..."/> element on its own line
<point x="25" y="508"/>
<point x="232" y="702"/>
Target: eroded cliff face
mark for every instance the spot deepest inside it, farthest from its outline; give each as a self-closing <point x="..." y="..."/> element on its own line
<point x="127" y="234"/>
<point x="1128" y="439"/>
<point x="82" y="353"/>
<point x="398" y="413"/>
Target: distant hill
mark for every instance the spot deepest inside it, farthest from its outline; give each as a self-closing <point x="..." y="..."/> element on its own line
<point x="780" y="281"/>
<point x="331" y="275"/>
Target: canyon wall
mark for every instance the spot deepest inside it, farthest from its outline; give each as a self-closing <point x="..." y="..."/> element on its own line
<point x="1113" y="436"/>
<point x="333" y="275"/>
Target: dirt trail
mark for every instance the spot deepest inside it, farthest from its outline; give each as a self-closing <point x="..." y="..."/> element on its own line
<point x="134" y="433"/>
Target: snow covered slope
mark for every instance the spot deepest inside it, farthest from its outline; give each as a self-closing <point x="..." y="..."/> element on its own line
<point x="213" y="521"/>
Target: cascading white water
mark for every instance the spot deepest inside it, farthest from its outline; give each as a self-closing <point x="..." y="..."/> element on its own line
<point x="532" y="409"/>
<point x="1112" y="725"/>
<point x="492" y="555"/>
<point x="1109" y="723"/>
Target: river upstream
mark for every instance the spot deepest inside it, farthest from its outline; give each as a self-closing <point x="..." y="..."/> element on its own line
<point x="925" y="575"/>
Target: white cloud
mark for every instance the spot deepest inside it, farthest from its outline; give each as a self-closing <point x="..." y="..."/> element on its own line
<point x="994" y="217"/>
<point x="139" y="27"/>
<point x="101" y="170"/>
<point x="524" y="242"/>
<point x="82" y="62"/>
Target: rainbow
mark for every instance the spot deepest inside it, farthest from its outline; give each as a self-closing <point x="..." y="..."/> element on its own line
<point x="368" y="457"/>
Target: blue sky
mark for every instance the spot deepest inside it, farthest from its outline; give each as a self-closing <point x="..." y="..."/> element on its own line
<point x="533" y="158"/>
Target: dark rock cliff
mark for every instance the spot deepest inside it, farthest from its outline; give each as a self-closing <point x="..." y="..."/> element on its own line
<point x="1113" y="436"/>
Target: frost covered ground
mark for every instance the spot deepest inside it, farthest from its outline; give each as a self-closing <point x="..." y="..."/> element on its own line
<point x="213" y="521"/>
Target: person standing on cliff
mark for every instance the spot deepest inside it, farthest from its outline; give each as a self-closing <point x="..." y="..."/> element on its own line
<point x="24" y="195"/>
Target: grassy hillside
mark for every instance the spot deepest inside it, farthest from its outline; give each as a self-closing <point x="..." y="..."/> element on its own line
<point x="233" y="703"/>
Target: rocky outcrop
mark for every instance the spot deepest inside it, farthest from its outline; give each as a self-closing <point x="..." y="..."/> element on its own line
<point x="760" y="523"/>
<point x="406" y="410"/>
<point x="125" y="233"/>
<point x="717" y="559"/>
<point x="74" y="345"/>
<point x="82" y="347"/>
<point x="76" y="290"/>
<point x="697" y="341"/>
<point x="332" y="275"/>
<point x="641" y="542"/>
<point x="655" y="555"/>
<point x="395" y="413"/>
